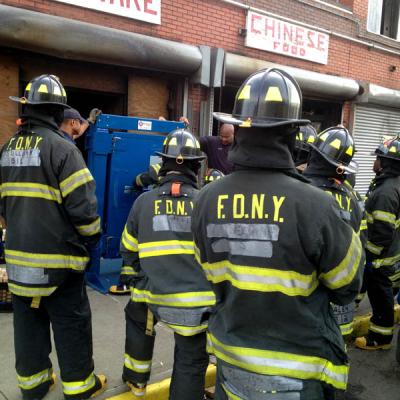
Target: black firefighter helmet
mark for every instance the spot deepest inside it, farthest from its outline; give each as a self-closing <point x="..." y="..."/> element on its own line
<point x="181" y="145"/>
<point x="304" y="138"/>
<point x="43" y="90"/>
<point x="213" y="175"/>
<point x="389" y="149"/>
<point x="267" y="98"/>
<point x="336" y="145"/>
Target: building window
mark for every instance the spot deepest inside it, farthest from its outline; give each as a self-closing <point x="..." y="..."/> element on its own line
<point x="383" y="18"/>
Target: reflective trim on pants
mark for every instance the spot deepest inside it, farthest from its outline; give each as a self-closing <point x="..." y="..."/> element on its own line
<point x="74" y="388"/>
<point x="33" y="381"/>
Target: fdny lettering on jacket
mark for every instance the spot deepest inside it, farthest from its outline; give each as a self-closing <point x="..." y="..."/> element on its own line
<point x="344" y="202"/>
<point x="169" y="207"/>
<point x="22" y="151"/>
<point x="251" y="206"/>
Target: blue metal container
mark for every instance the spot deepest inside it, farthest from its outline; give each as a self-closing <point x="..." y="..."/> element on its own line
<point x="118" y="148"/>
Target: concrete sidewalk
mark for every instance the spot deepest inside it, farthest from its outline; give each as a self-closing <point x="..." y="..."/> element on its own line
<point x="108" y="342"/>
<point x="373" y="375"/>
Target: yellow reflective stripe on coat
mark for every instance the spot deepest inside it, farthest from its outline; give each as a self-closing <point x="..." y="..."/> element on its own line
<point x="77" y="387"/>
<point x="188" y="299"/>
<point x="128" y="241"/>
<point x="188" y="330"/>
<point x="33" y="381"/>
<point x="75" y="180"/>
<point x="30" y="189"/>
<point x="165" y="248"/>
<point x="373" y="248"/>
<point x="388" y="261"/>
<point x="383" y="330"/>
<point x="384" y="216"/>
<point x="370" y="218"/>
<point x="363" y="225"/>
<point x="156" y="168"/>
<point x="260" y="279"/>
<point x="343" y="274"/>
<point x="42" y="260"/>
<point x="89" y="229"/>
<point x="137" y="365"/>
<point x="26" y="291"/>
<point x="268" y="362"/>
<point x="126" y="270"/>
<point x="346" y="329"/>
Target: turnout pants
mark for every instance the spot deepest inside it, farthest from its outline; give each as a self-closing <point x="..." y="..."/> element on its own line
<point x="67" y="310"/>
<point x="190" y="356"/>
<point x="237" y="384"/>
<point x="380" y="293"/>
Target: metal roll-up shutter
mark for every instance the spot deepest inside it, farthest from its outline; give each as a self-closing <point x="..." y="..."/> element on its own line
<point x="370" y="126"/>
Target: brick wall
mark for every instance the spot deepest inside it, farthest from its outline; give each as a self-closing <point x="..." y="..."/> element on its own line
<point x="8" y="87"/>
<point x="215" y="23"/>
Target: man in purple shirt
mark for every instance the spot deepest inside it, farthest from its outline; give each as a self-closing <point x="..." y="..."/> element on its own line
<point x="217" y="147"/>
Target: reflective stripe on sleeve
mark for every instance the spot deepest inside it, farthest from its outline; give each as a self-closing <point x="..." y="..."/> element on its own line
<point x="89" y="229"/>
<point x="346" y="329"/>
<point x="388" y="261"/>
<point x="188" y="330"/>
<point x="383" y="330"/>
<point x="344" y="273"/>
<point x="363" y="225"/>
<point x="190" y="299"/>
<point x="25" y="291"/>
<point x="269" y="362"/>
<point x="33" y="381"/>
<point x="165" y="248"/>
<point x="384" y="216"/>
<point x="142" y="367"/>
<point x="373" y="248"/>
<point x="260" y="279"/>
<point x="75" y="180"/>
<point x="29" y="189"/>
<point x="128" y="241"/>
<point x="41" y="260"/>
<point x="78" y="387"/>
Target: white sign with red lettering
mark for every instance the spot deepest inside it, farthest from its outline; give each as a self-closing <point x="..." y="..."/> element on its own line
<point x="144" y="10"/>
<point x="277" y="36"/>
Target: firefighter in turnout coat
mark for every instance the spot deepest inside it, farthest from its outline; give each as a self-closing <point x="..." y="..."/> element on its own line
<point x="167" y="283"/>
<point x="330" y="160"/>
<point x="49" y="204"/>
<point x="383" y="247"/>
<point x="277" y="254"/>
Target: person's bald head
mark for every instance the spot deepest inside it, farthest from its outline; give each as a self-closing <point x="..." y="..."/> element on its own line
<point x="226" y="133"/>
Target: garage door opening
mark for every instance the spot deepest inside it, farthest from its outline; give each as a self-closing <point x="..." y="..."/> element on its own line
<point x="85" y="100"/>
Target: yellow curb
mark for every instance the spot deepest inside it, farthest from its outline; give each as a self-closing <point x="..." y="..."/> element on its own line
<point x="361" y="323"/>
<point x="160" y="390"/>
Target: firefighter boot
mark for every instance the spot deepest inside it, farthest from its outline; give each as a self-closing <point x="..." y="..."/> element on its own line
<point x="103" y="381"/>
<point x="119" y="289"/>
<point x="138" y="390"/>
<point x="366" y="343"/>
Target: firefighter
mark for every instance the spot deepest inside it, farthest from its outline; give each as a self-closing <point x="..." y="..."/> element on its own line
<point x="167" y="283"/>
<point x="148" y="178"/>
<point x="212" y="175"/>
<point x="330" y="159"/>
<point x="277" y="253"/>
<point x="49" y="205"/>
<point x="383" y="247"/>
<point x="304" y="138"/>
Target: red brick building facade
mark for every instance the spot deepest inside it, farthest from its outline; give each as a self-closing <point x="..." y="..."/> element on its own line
<point x="175" y="68"/>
